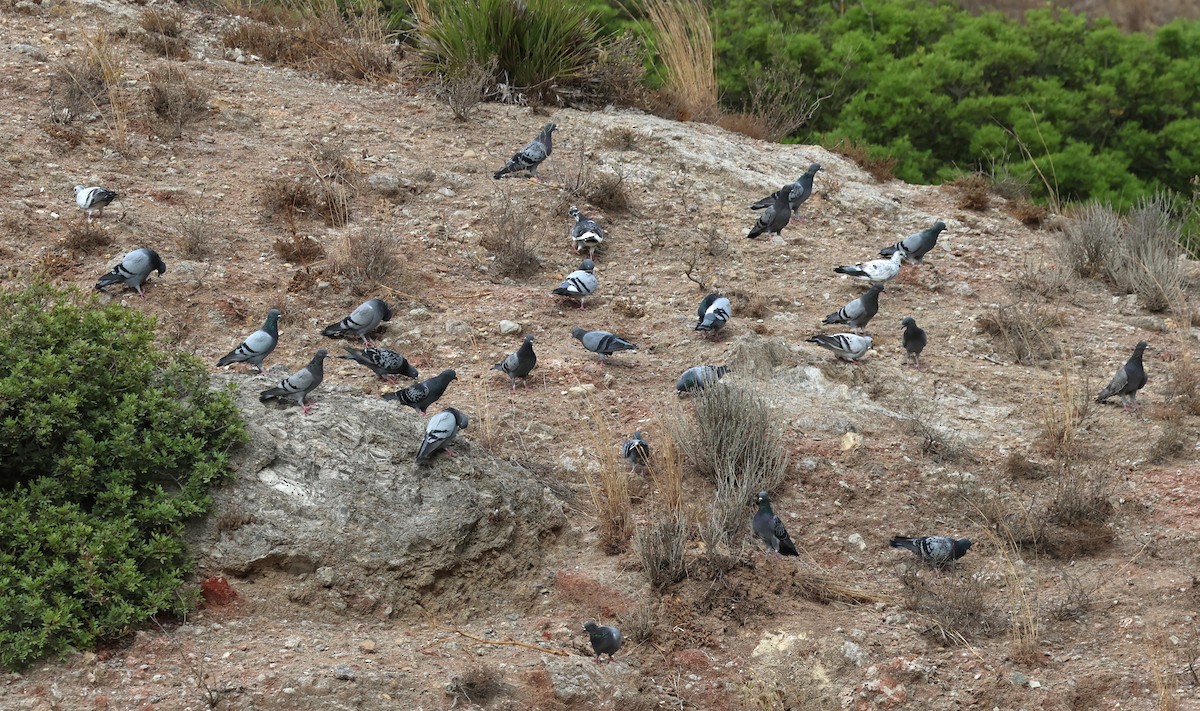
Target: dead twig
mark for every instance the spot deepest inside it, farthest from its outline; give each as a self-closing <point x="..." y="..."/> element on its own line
<point x="511" y="643"/>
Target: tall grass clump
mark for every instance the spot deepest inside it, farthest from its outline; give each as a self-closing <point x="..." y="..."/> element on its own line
<point x="683" y="40"/>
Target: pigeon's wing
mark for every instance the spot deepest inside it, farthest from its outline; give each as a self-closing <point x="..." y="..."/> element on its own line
<point x="254" y="349"/>
<point x="1115" y="386"/>
<point x="786" y="546"/>
<point x="765" y="202"/>
<point x="529" y="157"/>
<point x="301" y="381"/>
<point x="412" y="396"/>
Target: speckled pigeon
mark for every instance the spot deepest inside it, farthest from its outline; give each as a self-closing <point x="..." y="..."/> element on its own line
<point x="580" y="283"/>
<point x="420" y="396"/>
<point x="519" y="364"/>
<point x="636" y="451"/>
<point x="713" y="313"/>
<point x="94" y="198"/>
<point x="258" y="345"/>
<point x="847" y="346"/>
<point x="605" y="640"/>
<point x="602" y="342"/>
<point x="699" y="377"/>
<point x="134" y="269"/>
<point x="914" y="340"/>
<point x="935" y="550"/>
<point x="858" y="313"/>
<point x="298" y="385"/>
<point x="585" y="233"/>
<point x="531" y="156"/>
<point x="800" y="191"/>
<point x="362" y="320"/>
<point x="385" y="363"/>
<point x="440" y="432"/>
<point x="775" y="217"/>
<point x="917" y="245"/>
<point x="876" y="271"/>
<point x="770" y="529"/>
<point x="1128" y="380"/>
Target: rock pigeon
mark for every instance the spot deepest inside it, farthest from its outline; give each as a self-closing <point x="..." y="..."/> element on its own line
<point x="258" y="345"/>
<point x="914" y="340"/>
<point x="847" y="346"/>
<point x="1128" y="380"/>
<point x="713" y="313"/>
<point x="699" y="377"/>
<point x="797" y="195"/>
<point x="519" y="364"/>
<point x="298" y="385"/>
<point x="585" y="233"/>
<point x="134" y="269"/>
<point x="770" y="529"/>
<point x="387" y="364"/>
<point x="636" y="451"/>
<point x="440" y="432"/>
<point x="915" y="246"/>
<point x="362" y="320"/>
<point x="89" y="199"/>
<point x="420" y="396"/>
<point x="935" y="550"/>
<point x="605" y="640"/>
<point x="602" y="342"/>
<point x="858" y="313"/>
<point x="877" y="271"/>
<point x="580" y="283"/>
<point x="531" y="156"/>
<point x="775" y="218"/>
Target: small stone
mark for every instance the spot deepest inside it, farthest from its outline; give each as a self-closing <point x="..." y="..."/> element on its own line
<point x="1018" y="679"/>
<point x="857" y="541"/>
<point x="1035" y="684"/>
<point x="30" y="51"/>
<point x="326" y="576"/>
<point x="962" y="288"/>
<point x="324" y="285"/>
<point x="445" y="192"/>
<point x="507" y="327"/>
<point x="385" y="183"/>
<point x="582" y="389"/>
<point x="851" y="441"/>
<point x="367" y="645"/>
<point x="343" y="672"/>
<point x="419" y="314"/>
<point x="854" y="653"/>
<point x="459" y="328"/>
<point x="895" y="618"/>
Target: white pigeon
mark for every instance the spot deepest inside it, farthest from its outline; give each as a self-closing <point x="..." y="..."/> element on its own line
<point x="93" y="198"/>
<point x="579" y="284"/>
<point x="585" y="233"/>
<point x="876" y="271"/>
<point x="847" y="346"/>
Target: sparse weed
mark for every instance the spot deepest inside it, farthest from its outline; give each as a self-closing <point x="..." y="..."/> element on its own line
<point x="299" y="250"/>
<point x="616" y="77"/>
<point x="175" y="97"/>
<point x="1074" y="602"/>
<point x="288" y="197"/>
<point x="780" y="102"/>
<point x="880" y="166"/>
<point x="164" y="32"/>
<point x="1183" y="390"/>
<point x="661" y="547"/>
<point x="478" y="685"/>
<point x="366" y="259"/>
<point x="684" y="38"/>
<point x="622" y="138"/>
<point x="937" y="441"/>
<point x="973" y="191"/>
<point x="954" y="604"/>
<point x="464" y="87"/>
<point x="508" y="243"/>
<point x="1029" y="213"/>
<point x="1064" y="414"/>
<point x="1024" y="329"/>
<point x="1174" y="439"/>
<point x="86" y="237"/>
<point x="195" y="240"/>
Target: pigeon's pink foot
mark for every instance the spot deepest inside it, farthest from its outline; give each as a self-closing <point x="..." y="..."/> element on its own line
<point x="391" y="379"/>
<point x="595" y="660"/>
<point x="449" y="452"/>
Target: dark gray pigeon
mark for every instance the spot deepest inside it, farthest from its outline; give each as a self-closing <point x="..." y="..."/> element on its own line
<point x="800" y="191"/>
<point x="420" y="396"/>
<point x="605" y="640"/>
<point x="585" y="233"/>
<point x="914" y="340"/>
<point x="298" y="385"/>
<point x="258" y="345"/>
<point x="89" y="199"/>
<point x="602" y="342"/>
<point x="134" y="269"/>
<point x="519" y="364"/>
<point x="362" y="320"/>
<point x="917" y="245"/>
<point x="713" y="313"/>
<point x="770" y="529"/>
<point x="636" y="451"/>
<point x="1128" y="380"/>
<point x="385" y="363"/>
<point x="440" y="432"/>
<point x="858" y="313"/>
<point x="579" y="284"/>
<point x="699" y="377"/>
<point x="531" y="156"/>
<point x="935" y="550"/>
<point x="847" y="346"/>
<point x="775" y="218"/>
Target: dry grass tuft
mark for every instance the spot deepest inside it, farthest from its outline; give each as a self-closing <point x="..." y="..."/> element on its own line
<point x="974" y="191"/>
<point x="194" y="230"/>
<point x="1184" y="386"/>
<point x="91" y="86"/>
<point x="954" y="605"/>
<point x="759" y="356"/>
<point x="1024" y="329"/>
<point x="507" y="241"/>
<point x="463" y="89"/>
<point x="1029" y="213"/>
<point x="780" y="103"/>
<point x="1017" y="466"/>
<point x="1064" y="415"/>
<point x="299" y="250"/>
<point x="881" y="167"/>
<point x="289" y="197"/>
<point x="621" y="138"/>
<point x="1038" y="277"/>
<point x="610" y="492"/>
<point x="477" y="685"/>
<point x="175" y="97"/>
<point x="684" y="38"/>
<point x="164" y="33"/>
<point x="627" y="307"/>
<point x="746" y="124"/>
<point x="661" y="547"/>
<point x="637" y="625"/>
<point x="366" y="259"/>
<point x="86" y="237"/>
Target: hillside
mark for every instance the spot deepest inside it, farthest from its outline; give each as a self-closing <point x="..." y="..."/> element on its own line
<point x="361" y="583"/>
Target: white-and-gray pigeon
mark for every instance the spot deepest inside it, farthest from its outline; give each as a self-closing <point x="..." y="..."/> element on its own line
<point x="440" y="432"/>
<point x="876" y="271"/>
<point x="602" y="342"/>
<point x="1128" y="380"/>
<point x="713" y="313"/>
<point x="258" y="345"/>
<point x="385" y="363"/>
<point x="916" y="245"/>
<point x="298" y="385"/>
<point x="519" y="364"/>
<point x="914" y="340"/>
<point x="531" y="156"/>
<point x="800" y="191"/>
<point x="420" y="396"/>
<point x="605" y="640"/>
<point x="847" y="346"/>
<point x="585" y="233"/>
<point x="858" y="313"/>
<point x="636" y="451"/>
<point x="935" y="550"/>
<point x="699" y="377"/>
<point x="580" y="283"/>
<point x="363" y="320"/>
<point x="774" y="218"/>
<point x="93" y="198"/>
<point x="134" y="269"/>
<point x="768" y="527"/>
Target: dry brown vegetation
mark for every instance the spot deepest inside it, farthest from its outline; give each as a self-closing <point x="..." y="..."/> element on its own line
<point x="688" y="57"/>
<point x="366" y="258"/>
<point x="508" y="241"/>
<point x="974" y="191"/>
<point x="881" y="167"/>
<point x="164" y="32"/>
<point x="175" y="97"/>
<point x="1024" y="329"/>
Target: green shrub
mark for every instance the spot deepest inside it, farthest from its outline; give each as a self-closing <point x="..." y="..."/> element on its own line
<point x="107" y="446"/>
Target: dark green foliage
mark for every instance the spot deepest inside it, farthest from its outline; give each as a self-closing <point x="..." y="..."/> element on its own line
<point x="107" y="446"/>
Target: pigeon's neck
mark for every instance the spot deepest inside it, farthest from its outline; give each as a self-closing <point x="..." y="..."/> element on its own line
<point x="272" y="325"/>
<point x="764" y="507"/>
<point x="1136" y="357"/>
<point x="317" y="365"/>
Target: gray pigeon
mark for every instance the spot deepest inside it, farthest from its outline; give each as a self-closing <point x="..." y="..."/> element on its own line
<point x="440" y="432"/>
<point x="800" y="191"/>
<point x="847" y="346"/>
<point x="362" y="320"/>
<point x="420" y="396"/>
<point x="602" y="342"/>
<point x="1128" y="380"/>
<point x="585" y="233"/>
<point x="531" y="156"/>
<point x="858" y="313"/>
<point x="134" y="269"/>
<point x="298" y="385"/>
<point x="914" y="340"/>
<point x="258" y="345"/>
<point x="699" y="377"/>
<point x="605" y="640"/>
<point x="636" y="451"/>
<point x="917" y="245"/>
<point x="770" y="529"/>
<point x="385" y="363"/>
<point x="580" y="283"/>
<point x="519" y="364"/>
<point x="776" y="217"/>
<point x="89" y="199"/>
<point x="713" y="313"/>
<point x="935" y="550"/>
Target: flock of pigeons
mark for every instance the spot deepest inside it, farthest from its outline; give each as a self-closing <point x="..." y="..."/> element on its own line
<point x="713" y="313"/>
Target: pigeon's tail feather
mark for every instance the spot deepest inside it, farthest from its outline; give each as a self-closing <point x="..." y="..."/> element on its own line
<point x="113" y="277"/>
<point x="786" y="547"/>
<point x="563" y="291"/>
<point x="351" y="353"/>
<point x="231" y="358"/>
<point x="762" y="204"/>
<point x="270" y="394"/>
<point x="851" y="271"/>
<point x="905" y="542"/>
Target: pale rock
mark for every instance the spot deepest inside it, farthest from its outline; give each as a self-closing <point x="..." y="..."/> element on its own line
<point x="509" y="327"/>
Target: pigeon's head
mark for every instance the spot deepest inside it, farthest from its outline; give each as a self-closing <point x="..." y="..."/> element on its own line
<point x="878" y="289"/>
<point x="274" y="313"/>
<point x="78" y="188"/>
<point x="812" y="169"/>
<point x="908" y="321"/>
<point x="938" y="226"/>
<point x="591" y="627"/>
<point x="578" y="333"/>
<point x="529" y="338"/>
<point x="459" y="418"/>
<point x="549" y="128"/>
<point x="574" y="212"/>
<point x="1141" y="346"/>
<point x="867" y="339"/>
<point x="321" y="353"/>
<point x="637" y="434"/>
<point x="762" y="498"/>
<point x="587" y="265"/>
<point x="448" y="375"/>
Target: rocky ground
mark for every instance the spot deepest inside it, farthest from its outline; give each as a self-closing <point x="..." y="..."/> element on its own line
<point x="338" y="575"/>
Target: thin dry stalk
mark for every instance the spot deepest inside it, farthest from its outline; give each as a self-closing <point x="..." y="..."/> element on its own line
<point x="661" y="548"/>
<point x="610" y="493"/>
<point x="1064" y="415"/>
<point x="684" y="40"/>
<point x="366" y="259"/>
<point x="666" y="472"/>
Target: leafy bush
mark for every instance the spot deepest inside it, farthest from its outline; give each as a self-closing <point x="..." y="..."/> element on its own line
<point x="107" y="446"/>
